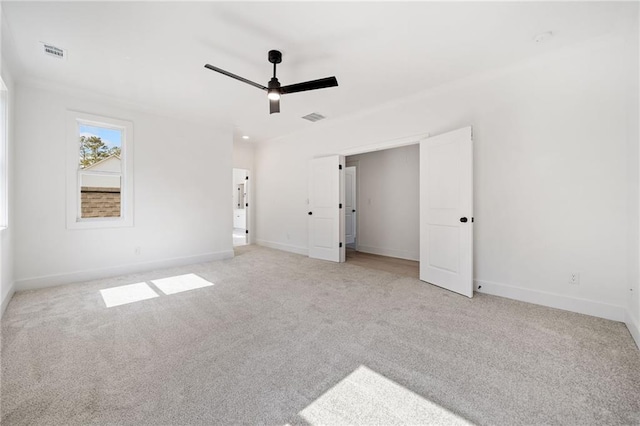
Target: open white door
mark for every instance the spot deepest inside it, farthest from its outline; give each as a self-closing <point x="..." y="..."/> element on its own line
<point x="326" y="215"/>
<point x="446" y="211"/>
<point x="350" y="204"/>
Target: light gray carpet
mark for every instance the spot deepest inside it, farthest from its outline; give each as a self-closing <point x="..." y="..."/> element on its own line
<point x="279" y="338"/>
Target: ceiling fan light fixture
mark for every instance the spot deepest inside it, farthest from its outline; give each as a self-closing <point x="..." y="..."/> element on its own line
<point x="273" y="94"/>
<point x="274" y="89"/>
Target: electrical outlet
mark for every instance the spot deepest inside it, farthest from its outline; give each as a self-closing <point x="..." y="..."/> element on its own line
<point x="137" y="251"/>
<point x="574" y="278"/>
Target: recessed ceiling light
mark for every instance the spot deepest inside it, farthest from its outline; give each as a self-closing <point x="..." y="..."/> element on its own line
<point x="543" y="37"/>
<point x="245" y="137"/>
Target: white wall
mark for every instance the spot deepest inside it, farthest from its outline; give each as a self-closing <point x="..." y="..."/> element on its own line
<point x="388" y="211"/>
<point x="6" y="235"/>
<point x="182" y="176"/>
<point x="243" y="155"/>
<point x="550" y="171"/>
<point x="633" y="124"/>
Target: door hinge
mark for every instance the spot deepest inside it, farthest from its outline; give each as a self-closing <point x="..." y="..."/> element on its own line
<point x="340" y="205"/>
<point x="246" y="178"/>
<point x="340" y="244"/>
<point x="339" y="166"/>
<point x="246" y="231"/>
<point x="246" y="205"/>
<point x="471" y="219"/>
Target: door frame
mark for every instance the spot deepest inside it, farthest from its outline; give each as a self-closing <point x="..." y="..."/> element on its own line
<point x="355" y="164"/>
<point x="248" y="205"/>
<point x="381" y="146"/>
<point x="365" y="149"/>
<point x="394" y="143"/>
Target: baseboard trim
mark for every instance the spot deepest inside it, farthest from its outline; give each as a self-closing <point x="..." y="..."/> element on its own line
<point x="633" y="324"/>
<point x="7" y="299"/>
<point x="400" y="254"/>
<point x="284" y="247"/>
<point x="94" y="274"/>
<point x="552" y="300"/>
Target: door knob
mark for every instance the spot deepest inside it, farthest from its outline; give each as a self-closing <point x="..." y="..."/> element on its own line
<point x="310" y="213"/>
<point x="463" y="219"/>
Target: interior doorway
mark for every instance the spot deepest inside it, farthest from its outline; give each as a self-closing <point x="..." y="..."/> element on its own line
<point x="382" y="209"/>
<point x="445" y="200"/>
<point x="240" y="197"/>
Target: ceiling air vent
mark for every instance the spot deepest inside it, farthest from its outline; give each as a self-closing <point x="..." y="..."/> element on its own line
<point x="314" y="116"/>
<point x="56" y="52"/>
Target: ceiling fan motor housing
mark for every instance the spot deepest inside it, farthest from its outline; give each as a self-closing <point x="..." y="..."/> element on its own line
<point x="274" y="83"/>
<point x="275" y="56"/>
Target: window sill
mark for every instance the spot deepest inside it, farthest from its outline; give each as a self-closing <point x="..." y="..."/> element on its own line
<point x="100" y="223"/>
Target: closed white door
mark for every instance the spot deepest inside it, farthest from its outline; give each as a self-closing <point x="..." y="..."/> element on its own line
<point x="350" y="205"/>
<point x="326" y="217"/>
<point x="446" y="211"/>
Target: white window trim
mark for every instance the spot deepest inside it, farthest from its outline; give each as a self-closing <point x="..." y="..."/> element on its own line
<point x="4" y="156"/>
<point x="74" y="221"/>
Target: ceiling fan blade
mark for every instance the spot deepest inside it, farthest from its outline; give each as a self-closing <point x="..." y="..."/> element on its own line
<point x="274" y="105"/>
<point x="309" y="85"/>
<point x="237" y="77"/>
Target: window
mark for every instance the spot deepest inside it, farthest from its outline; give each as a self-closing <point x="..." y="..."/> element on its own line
<point x="4" y="137"/>
<point x="99" y="180"/>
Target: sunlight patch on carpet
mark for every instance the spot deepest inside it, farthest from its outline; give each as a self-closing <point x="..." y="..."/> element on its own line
<point x="180" y="283"/>
<point x="366" y="397"/>
<point x="124" y="294"/>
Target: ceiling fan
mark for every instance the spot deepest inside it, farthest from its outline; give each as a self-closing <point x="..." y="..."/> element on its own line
<point x="274" y="89"/>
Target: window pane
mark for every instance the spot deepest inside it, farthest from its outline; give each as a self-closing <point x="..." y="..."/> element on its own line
<point x="100" y="195"/>
<point x="99" y="181"/>
<point x="98" y="144"/>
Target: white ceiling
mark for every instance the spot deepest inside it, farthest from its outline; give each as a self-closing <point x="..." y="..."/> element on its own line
<point x="152" y="53"/>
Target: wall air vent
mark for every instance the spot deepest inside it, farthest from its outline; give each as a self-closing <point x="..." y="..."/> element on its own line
<point x="54" y="51"/>
<point x="314" y="116"/>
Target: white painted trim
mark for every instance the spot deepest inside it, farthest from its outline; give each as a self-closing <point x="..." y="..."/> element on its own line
<point x="552" y="300"/>
<point x="284" y="247"/>
<point x="4" y="154"/>
<point x="74" y="119"/>
<point x="94" y="274"/>
<point x="400" y="254"/>
<point x="380" y="146"/>
<point x="356" y="164"/>
<point x="7" y="299"/>
<point x="633" y="324"/>
<point x="249" y="209"/>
